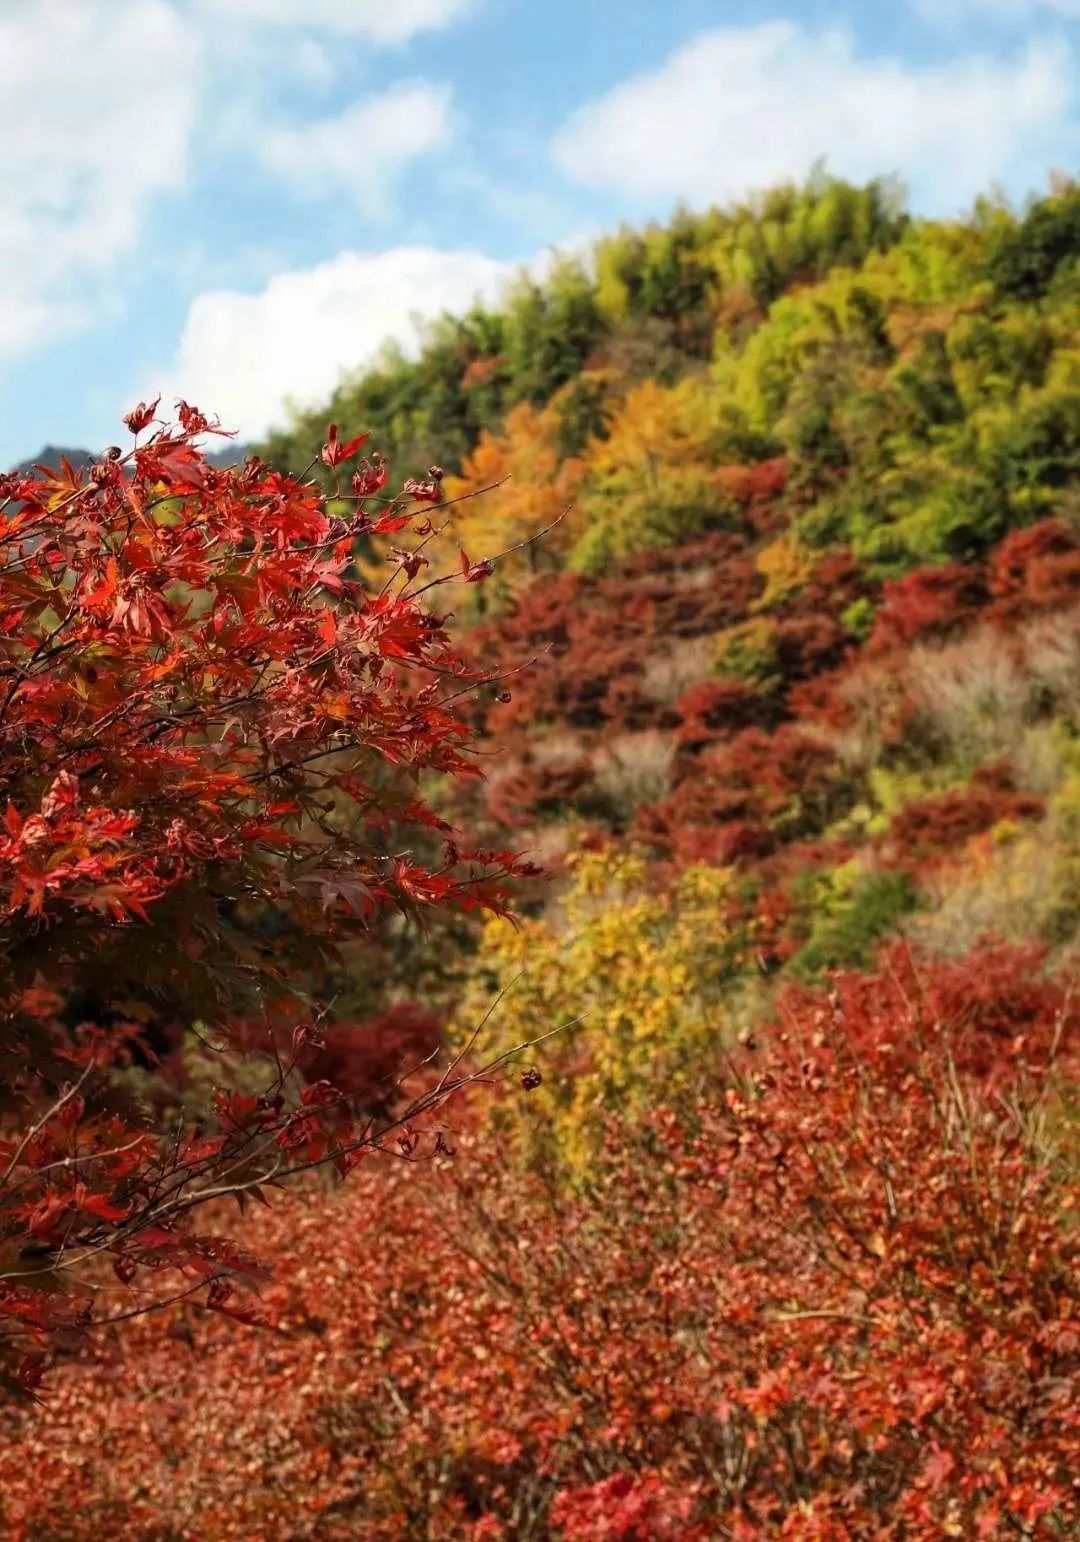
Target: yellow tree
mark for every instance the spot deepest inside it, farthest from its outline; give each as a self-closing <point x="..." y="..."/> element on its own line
<point x="535" y="484"/>
<point x="652" y="481"/>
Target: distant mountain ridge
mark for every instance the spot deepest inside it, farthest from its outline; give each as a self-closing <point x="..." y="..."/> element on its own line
<point x="51" y="455"/>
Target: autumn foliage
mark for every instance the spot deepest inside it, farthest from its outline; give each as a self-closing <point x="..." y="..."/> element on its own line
<point x="832" y="1298"/>
<point x="775" y="1233"/>
<point x="212" y="735"/>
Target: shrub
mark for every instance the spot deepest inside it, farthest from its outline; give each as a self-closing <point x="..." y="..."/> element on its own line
<point x="715" y="710"/>
<point x="1035" y="569"/>
<point x="365" y="1060"/>
<point x="850" y="910"/>
<point x="928" y="830"/>
<point x="831" y="1298"/>
<point x="930" y="602"/>
<point x="644" y="969"/>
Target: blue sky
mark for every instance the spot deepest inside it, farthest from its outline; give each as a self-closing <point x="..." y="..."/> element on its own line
<point x="234" y="200"/>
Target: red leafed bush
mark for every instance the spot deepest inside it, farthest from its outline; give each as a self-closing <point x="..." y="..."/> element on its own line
<point x="721" y="594"/>
<point x="822" y="700"/>
<point x="806" y="646"/>
<point x="712" y="551"/>
<point x="834" y="1297"/>
<point x="1035" y="569"/>
<point x="626" y="1507"/>
<point x="365" y="1060"/>
<point x="996" y="1012"/>
<point x="570" y="683"/>
<point x="933" y="830"/>
<point x="749" y="792"/>
<point x="535" y="792"/>
<point x="756" y="487"/>
<point x="735" y="843"/>
<point x="715" y="710"/>
<point x="209" y="747"/>
<point x="930" y="602"/>
<point x="774" y="768"/>
<point x="541" y="614"/>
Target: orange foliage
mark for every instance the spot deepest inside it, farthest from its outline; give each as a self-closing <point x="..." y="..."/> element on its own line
<point x="537" y="485"/>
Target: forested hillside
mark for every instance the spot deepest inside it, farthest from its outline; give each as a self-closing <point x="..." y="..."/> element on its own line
<point x="781" y="646"/>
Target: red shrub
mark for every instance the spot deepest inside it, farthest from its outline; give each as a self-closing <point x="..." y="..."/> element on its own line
<point x="1000" y="1008"/>
<point x="821" y="700"/>
<point x="710" y="552"/>
<point x="738" y="843"/>
<point x="1034" y="570"/>
<point x="721" y="592"/>
<point x="807" y="646"/>
<point x="365" y="1059"/>
<point x="930" y="602"/>
<point x="714" y="710"/>
<point x="535" y="792"/>
<point x="929" y="830"/>
<point x="775" y="768"/>
<point x="754" y="486"/>
<point x="832" y="1298"/>
<point x="541" y="616"/>
<point x="627" y="1507"/>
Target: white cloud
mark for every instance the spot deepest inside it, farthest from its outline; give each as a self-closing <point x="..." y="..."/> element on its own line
<point x="361" y="150"/>
<point x="100" y="100"/>
<point x="383" y="21"/>
<point x="243" y="356"/>
<point x="739" y="108"/>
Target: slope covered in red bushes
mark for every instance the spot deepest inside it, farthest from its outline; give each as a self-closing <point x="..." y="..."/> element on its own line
<point x="834" y="1300"/>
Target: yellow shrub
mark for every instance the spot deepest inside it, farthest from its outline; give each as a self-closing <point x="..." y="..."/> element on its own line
<point x="786" y="566"/>
<point x="643" y="972"/>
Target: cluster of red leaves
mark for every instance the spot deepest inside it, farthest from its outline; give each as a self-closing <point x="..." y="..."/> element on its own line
<point x="837" y="1300"/>
<point x="1032" y="570"/>
<point x="593" y="636"/>
<point x="207" y="720"/>
<point x="710" y="713"/>
<point x="743" y="796"/>
<point x="757" y="488"/>
<point x="933" y="601"/>
<point x="1035" y="570"/>
<point x="365" y="1060"/>
<point x="532" y="792"/>
<point x="627" y="1507"/>
<point x="933" y="830"/>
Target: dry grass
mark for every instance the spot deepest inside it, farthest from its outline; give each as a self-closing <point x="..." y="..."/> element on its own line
<point x="981" y="694"/>
<point x="975" y="697"/>
<point x="981" y="698"/>
<point x="669" y="674"/>
<point x="555" y="748"/>
<point x="635" y="768"/>
<point x="1023" y="883"/>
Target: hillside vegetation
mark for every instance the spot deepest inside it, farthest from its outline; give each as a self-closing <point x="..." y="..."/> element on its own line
<point x="779" y="1238"/>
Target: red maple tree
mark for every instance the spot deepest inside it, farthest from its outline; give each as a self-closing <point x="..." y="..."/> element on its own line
<point x="213" y="744"/>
